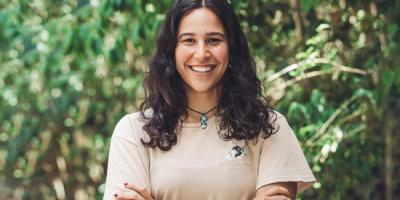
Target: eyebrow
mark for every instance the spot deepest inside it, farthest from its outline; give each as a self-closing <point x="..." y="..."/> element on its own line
<point x="207" y="34"/>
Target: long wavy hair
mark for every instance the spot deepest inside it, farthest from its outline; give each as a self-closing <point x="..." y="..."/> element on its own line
<point x="244" y="111"/>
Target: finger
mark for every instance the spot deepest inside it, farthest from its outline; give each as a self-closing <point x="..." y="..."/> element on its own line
<point x="131" y="195"/>
<point x="277" y="197"/>
<point x="258" y="198"/>
<point x="277" y="190"/>
<point x="142" y="191"/>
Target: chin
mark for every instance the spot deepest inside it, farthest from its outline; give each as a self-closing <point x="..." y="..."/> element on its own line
<point x="203" y="89"/>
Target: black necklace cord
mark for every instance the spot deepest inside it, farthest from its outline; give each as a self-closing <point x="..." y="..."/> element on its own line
<point x="202" y="113"/>
<point x="203" y="117"/>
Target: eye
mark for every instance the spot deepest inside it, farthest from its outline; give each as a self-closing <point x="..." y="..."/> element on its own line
<point x="188" y="41"/>
<point x="214" y="41"/>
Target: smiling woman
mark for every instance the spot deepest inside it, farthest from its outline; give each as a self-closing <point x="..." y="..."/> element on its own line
<point x="201" y="57"/>
<point x="202" y="52"/>
<point x="204" y="131"/>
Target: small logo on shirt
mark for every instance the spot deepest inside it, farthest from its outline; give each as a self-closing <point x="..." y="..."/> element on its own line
<point x="236" y="152"/>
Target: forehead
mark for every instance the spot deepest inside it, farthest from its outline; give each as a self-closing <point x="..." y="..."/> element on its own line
<point x="199" y="21"/>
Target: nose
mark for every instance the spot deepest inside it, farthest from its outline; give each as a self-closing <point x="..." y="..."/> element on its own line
<point x="202" y="51"/>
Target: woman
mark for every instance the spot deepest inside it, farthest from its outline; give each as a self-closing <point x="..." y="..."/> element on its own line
<point x="204" y="130"/>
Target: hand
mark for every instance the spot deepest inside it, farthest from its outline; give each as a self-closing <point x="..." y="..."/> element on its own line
<point x="277" y="191"/>
<point x="275" y="197"/>
<point x="135" y="193"/>
<point x="273" y="193"/>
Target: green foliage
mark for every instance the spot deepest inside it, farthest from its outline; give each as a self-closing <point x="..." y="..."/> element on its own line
<point x="70" y="69"/>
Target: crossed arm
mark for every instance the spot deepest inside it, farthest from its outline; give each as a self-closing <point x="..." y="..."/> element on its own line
<point x="273" y="191"/>
<point x="277" y="191"/>
<point x="123" y="142"/>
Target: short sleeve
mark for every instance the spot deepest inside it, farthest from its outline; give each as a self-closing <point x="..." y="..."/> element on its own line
<point x="127" y="160"/>
<point x="282" y="159"/>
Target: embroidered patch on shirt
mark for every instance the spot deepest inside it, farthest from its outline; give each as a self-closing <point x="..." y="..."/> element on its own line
<point x="236" y="152"/>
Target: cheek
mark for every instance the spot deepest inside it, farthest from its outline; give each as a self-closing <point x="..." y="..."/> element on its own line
<point x="222" y="54"/>
<point x="182" y="54"/>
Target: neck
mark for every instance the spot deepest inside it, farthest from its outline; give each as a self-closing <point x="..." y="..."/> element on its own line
<point x="201" y="102"/>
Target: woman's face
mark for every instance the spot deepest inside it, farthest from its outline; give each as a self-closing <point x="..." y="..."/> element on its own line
<point x="201" y="53"/>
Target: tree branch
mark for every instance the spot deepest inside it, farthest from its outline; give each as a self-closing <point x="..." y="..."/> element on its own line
<point x="317" y="61"/>
<point x="298" y="21"/>
<point x="328" y="122"/>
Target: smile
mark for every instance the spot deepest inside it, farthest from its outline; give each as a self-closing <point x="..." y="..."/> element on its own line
<point x="202" y="68"/>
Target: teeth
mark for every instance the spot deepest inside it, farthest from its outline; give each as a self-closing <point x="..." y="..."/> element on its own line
<point x="201" y="68"/>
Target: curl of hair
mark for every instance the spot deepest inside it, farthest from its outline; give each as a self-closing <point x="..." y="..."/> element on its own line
<point x="245" y="113"/>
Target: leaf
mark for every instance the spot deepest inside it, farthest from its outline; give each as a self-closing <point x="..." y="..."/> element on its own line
<point x="322" y="27"/>
<point x="306" y="5"/>
<point x="392" y="29"/>
<point x="387" y="79"/>
<point x="298" y="112"/>
<point x="397" y="76"/>
<point x="294" y="73"/>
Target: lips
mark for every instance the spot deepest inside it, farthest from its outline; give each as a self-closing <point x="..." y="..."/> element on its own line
<point x="202" y="68"/>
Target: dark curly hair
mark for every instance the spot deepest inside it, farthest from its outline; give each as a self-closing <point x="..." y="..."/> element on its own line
<point x="244" y="112"/>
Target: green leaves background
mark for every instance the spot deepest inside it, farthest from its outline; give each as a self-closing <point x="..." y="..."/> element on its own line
<point x="70" y="69"/>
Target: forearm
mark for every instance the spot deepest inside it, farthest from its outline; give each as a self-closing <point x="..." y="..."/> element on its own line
<point x="284" y="190"/>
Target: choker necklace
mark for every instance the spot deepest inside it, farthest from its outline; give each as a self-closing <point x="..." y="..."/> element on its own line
<point x="203" y="117"/>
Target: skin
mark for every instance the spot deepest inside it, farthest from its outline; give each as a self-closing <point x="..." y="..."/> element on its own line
<point x="133" y="193"/>
<point x="202" y="42"/>
<point x="274" y="191"/>
<point x="277" y="191"/>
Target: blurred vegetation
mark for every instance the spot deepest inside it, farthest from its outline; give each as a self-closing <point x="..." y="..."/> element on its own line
<point x="70" y="69"/>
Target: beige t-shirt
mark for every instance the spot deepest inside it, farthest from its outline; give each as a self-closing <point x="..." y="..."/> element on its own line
<point x="203" y="166"/>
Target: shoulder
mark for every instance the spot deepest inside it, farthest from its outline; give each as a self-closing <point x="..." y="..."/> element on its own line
<point x="277" y="118"/>
<point x="281" y="125"/>
<point x="283" y="130"/>
<point x="136" y="118"/>
<point x="277" y="114"/>
<point x="130" y="127"/>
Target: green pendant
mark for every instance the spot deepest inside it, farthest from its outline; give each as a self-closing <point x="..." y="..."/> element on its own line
<point x="203" y="121"/>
